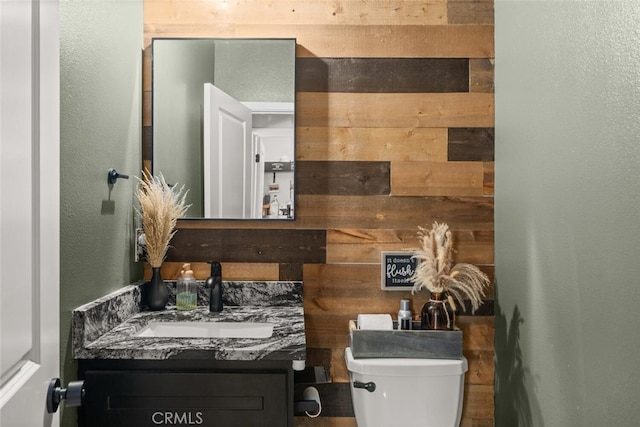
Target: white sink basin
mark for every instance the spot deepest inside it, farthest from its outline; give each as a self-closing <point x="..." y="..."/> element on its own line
<point x="207" y="330"/>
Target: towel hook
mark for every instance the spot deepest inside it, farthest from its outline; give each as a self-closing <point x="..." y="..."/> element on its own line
<point x="113" y="175"/>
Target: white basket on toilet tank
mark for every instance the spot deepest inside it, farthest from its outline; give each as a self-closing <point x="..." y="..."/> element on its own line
<point x="403" y="392"/>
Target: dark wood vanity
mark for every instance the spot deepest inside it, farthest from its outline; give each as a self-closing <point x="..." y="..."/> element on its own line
<point x="134" y="380"/>
<point x="186" y="392"/>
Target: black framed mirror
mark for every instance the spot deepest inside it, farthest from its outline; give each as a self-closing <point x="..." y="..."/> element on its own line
<point x="223" y="123"/>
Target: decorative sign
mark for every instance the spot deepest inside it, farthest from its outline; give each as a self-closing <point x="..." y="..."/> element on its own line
<point x="278" y="166"/>
<point x="397" y="269"/>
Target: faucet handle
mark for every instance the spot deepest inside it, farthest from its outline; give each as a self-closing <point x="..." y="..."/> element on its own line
<point x="216" y="268"/>
<point x="215" y="284"/>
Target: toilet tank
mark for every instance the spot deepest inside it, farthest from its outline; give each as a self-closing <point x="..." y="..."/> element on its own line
<point x="407" y="392"/>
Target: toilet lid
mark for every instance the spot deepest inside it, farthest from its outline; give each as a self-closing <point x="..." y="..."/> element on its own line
<point x="406" y="367"/>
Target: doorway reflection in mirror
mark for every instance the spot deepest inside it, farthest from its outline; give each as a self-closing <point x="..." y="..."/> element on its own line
<point x="190" y="132"/>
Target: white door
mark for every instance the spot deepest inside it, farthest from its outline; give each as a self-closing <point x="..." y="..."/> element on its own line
<point x="29" y="209"/>
<point x="227" y="155"/>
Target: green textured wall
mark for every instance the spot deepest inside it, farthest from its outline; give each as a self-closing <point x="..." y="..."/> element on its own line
<point x="256" y="73"/>
<point x="100" y="125"/>
<point x="566" y="213"/>
<point x="178" y="79"/>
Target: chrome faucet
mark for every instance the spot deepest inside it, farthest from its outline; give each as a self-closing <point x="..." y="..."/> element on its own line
<point x="214" y="283"/>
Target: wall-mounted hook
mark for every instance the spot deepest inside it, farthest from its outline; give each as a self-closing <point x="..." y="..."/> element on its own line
<point x="113" y="175"/>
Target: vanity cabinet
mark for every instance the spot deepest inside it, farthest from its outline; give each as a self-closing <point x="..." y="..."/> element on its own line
<point x="133" y="379"/>
<point x="130" y="393"/>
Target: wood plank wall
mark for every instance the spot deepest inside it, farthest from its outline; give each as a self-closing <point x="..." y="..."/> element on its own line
<point x="395" y="116"/>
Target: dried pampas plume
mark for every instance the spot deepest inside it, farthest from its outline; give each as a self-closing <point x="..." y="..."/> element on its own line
<point x="160" y="208"/>
<point x="436" y="273"/>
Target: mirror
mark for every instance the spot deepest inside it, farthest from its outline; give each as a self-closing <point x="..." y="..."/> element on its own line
<point x="224" y="124"/>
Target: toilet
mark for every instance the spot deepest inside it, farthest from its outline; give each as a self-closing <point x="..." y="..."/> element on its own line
<point x="406" y="392"/>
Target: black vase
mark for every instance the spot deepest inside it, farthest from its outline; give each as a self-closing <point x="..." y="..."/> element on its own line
<point x="435" y="314"/>
<point x="156" y="294"/>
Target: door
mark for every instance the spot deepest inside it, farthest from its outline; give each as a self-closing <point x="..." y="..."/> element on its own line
<point x="29" y="209"/>
<point x="227" y="152"/>
<point x="275" y="144"/>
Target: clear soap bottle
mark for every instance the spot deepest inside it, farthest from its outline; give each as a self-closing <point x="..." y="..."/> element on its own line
<point x="186" y="290"/>
<point x="274" y="210"/>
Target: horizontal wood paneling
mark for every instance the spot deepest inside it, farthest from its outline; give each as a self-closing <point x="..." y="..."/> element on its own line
<point x="470" y="422"/>
<point x="231" y="270"/>
<point x="325" y="422"/>
<point x="261" y="246"/>
<point x="477" y="403"/>
<point x="437" y="179"/>
<point x="394" y="110"/>
<point x="146" y="109"/>
<point x="382" y="75"/>
<point x="371" y="144"/>
<point x="307" y="12"/>
<point x="290" y="271"/>
<point x="489" y="176"/>
<point x="326" y="212"/>
<point x="354" y="41"/>
<point x="470" y="12"/>
<point x="471" y="144"/>
<point x="205" y="224"/>
<point x="357" y="287"/>
<point x="478" y="332"/>
<point x="481" y="75"/>
<point x="481" y="368"/>
<point x="380" y="100"/>
<point x="234" y="271"/>
<point x="386" y="212"/>
<point x="321" y="306"/>
<point x="342" y="178"/>
<point x="364" y="246"/>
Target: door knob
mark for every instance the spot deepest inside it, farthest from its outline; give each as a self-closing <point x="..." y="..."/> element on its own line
<point x="73" y="394"/>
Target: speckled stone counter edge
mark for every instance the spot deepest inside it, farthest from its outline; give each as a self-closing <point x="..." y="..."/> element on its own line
<point x="95" y="319"/>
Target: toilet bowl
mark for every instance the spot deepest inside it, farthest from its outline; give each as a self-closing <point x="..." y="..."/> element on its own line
<point x="406" y="392"/>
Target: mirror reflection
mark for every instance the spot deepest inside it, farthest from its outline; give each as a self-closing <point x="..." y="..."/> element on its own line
<point x="224" y="124"/>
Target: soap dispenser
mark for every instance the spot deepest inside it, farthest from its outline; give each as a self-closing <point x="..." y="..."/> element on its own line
<point x="274" y="210"/>
<point x="186" y="290"/>
<point x="180" y="284"/>
<point x="214" y="283"/>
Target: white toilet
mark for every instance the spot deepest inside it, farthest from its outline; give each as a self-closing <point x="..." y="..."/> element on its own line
<point x="406" y="392"/>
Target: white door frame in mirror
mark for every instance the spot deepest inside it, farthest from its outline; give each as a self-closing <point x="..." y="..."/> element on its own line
<point x="238" y="138"/>
<point x="227" y="162"/>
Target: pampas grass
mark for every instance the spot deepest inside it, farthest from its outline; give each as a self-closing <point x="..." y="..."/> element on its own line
<point x="160" y="208"/>
<point x="436" y="272"/>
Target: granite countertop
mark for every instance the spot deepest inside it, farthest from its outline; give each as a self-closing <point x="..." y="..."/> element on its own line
<point x="107" y="328"/>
